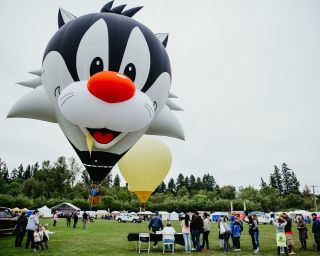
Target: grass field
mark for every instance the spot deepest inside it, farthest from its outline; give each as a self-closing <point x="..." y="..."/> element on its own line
<point x="110" y="238"/>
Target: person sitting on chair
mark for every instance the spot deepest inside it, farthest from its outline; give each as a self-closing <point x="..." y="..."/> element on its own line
<point x="168" y="235"/>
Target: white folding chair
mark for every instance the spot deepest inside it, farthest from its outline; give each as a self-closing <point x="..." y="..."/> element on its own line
<point x="168" y="244"/>
<point x="143" y="238"/>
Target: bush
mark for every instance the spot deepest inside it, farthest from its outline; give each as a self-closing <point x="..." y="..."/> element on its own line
<point x="7" y="201"/>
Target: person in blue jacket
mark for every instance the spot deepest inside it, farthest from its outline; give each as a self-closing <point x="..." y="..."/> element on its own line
<point x="316" y="230"/>
<point x="236" y="232"/>
<point x="155" y="224"/>
<point x="231" y="228"/>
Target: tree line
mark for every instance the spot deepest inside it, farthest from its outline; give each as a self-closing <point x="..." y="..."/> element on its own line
<point x="64" y="180"/>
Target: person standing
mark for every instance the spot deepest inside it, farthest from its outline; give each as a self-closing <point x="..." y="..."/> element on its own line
<point x="303" y="232"/>
<point x="256" y="232"/>
<point x="84" y="219"/>
<point x="75" y="219"/>
<point x="231" y="228"/>
<point x="68" y="219"/>
<point x="280" y="235"/>
<point x="55" y="218"/>
<point x="156" y="225"/>
<point x="251" y="225"/>
<point x="236" y="234"/>
<point x="32" y="224"/>
<point x="224" y="230"/>
<point x="288" y="233"/>
<point x="197" y="227"/>
<point x="21" y="229"/>
<point x="206" y="231"/>
<point x="185" y="224"/>
<point x="316" y="230"/>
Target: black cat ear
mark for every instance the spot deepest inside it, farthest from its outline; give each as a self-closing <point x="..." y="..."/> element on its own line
<point x="64" y="17"/>
<point x="163" y="37"/>
<point x="107" y="7"/>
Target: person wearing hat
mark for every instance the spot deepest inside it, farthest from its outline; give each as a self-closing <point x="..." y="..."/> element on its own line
<point x="280" y="235"/>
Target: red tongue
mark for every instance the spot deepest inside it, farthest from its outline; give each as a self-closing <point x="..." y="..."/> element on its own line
<point x="103" y="138"/>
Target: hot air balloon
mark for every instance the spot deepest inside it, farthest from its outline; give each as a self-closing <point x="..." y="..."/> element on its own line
<point x="145" y="166"/>
<point x="105" y="79"/>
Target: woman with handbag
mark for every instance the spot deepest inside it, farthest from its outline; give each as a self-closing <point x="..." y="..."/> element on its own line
<point x="224" y="230"/>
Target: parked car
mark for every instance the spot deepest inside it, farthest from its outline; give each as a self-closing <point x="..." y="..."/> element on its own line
<point x="128" y="217"/>
<point x="8" y="220"/>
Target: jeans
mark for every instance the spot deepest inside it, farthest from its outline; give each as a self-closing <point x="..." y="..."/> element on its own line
<point x="166" y="246"/>
<point x="30" y="239"/>
<point x="187" y="244"/>
<point x="196" y="239"/>
<point x="19" y="237"/>
<point x="236" y="242"/>
<point x="205" y="239"/>
<point x="84" y="223"/>
<point x="256" y="238"/>
<point x="226" y="237"/>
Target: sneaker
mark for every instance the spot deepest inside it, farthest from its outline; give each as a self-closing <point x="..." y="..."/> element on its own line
<point x="292" y="253"/>
<point x="155" y="246"/>
<point x="256" y="251"/>
<point x="193" y="249"/>
<point x="35" y="250"/>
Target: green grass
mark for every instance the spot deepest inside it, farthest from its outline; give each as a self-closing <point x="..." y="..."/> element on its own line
<point x="110" y="238"/>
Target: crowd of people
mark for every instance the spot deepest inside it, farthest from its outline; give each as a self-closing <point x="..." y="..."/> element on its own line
<point x="38" y="235"/>
<point x="192" y="228"/>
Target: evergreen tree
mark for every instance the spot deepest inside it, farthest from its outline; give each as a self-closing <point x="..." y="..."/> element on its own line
<point x="116" y="181"/>
<point x="276" y="180"/>
<point x="180" y="181"/>
<point x="107" y="182"/>
<point x="192" y="183"/>
<point x="285" y="179"/>
<point x="35" y="167"/>
<point x="199" y="184"/>
<point x="187" y="183"/>
<point x="161" y="188"/>
<point x="263" y="183"/>
<point x="27" y="173"/>
<point x="14" y="174"/>
<point x="208" y="182"/>
<point x="20" y="171"/>
<point x="171" y="186"/>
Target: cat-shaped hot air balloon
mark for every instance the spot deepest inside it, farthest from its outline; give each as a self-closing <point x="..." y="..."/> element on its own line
<point x="105" y="79"/>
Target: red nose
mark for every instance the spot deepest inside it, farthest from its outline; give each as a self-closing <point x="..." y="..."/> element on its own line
<point x="111" y="87"/>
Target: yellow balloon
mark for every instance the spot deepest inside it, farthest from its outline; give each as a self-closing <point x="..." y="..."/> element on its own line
<point x="145" y="165"/>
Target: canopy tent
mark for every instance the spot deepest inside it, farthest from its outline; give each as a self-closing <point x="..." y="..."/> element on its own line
<point x="15" y="209"/>
<point x="145" y="213"/>
<point x="215" y="216"/>
<point x="24" y="210"/>
<point x="164" y="215"/>
<point x="101" y="213"/>
<point x="45" y="212"/>
<point x="174" y="216"/>
<point x="66" y="208"/>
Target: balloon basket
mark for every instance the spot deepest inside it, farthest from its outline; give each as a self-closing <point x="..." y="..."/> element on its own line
<point x="94" y="200"/>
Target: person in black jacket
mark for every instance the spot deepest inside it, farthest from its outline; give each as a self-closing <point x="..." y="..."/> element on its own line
<point x="196" y="229"/>
<point x="21" y="229"/>
<point x="75" y="219"/>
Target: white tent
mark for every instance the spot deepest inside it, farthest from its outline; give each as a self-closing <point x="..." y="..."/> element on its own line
<point x="65" y="208"/>
<point x="174" y="216"/>
<point x="45" y="212"/>
<point x="101" y="213"/>
<point x="164" y="215"/>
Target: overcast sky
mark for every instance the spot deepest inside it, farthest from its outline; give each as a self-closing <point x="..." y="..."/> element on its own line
<point x="246" y="73"/>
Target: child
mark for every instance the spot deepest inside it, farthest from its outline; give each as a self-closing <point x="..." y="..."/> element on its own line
<point x="37" y="236"/>
<point x="46" y="234"/>
<point x="236" y="235"/>
<point x="280" y="235"/>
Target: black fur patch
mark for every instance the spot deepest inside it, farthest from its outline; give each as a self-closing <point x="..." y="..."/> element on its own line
<point x="67" y="39"/>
